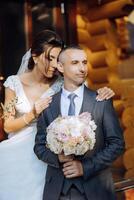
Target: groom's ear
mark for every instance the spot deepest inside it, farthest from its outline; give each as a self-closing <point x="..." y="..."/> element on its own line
<point x="60" y="67"/>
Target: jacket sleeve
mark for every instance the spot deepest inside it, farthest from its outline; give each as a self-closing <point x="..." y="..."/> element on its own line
<point x="113" y="144"/>
<point x="40" y="149"/>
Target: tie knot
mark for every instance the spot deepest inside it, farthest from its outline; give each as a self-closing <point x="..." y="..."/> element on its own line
<point x="72" y="96"/>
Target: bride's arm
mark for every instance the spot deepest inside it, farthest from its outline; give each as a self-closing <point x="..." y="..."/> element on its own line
<point x="13" y="124"/>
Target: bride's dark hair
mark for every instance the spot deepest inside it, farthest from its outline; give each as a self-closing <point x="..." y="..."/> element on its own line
<point x="44" y="41"/>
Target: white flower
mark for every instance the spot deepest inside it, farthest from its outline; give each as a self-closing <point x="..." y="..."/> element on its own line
<point x="71" y="134"/>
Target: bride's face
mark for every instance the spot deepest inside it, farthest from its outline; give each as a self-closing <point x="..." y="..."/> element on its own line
<point x="48" y="66"/>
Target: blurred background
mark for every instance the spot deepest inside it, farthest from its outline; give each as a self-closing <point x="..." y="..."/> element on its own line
<point x="105" y="29"/>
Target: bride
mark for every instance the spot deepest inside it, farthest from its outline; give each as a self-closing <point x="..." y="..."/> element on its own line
<point x="27" y="94"/>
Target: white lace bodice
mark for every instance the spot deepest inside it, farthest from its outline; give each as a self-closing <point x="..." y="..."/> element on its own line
<point x="23" y="105"/>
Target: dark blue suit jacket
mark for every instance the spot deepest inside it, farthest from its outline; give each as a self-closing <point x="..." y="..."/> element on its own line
<point x="97" y="180"/>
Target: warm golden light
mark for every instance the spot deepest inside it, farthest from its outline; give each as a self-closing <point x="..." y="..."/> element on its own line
<point x="129" y="194"/>
<point x="1" y="78"/>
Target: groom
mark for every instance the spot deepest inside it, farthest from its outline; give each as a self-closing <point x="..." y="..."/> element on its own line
<point x="85" y="177"/>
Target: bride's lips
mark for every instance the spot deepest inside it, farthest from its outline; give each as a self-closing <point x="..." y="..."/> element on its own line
<point x="52" y="71"/>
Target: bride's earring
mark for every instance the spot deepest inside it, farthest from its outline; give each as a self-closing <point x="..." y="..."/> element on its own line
<point x="35" y="61"/>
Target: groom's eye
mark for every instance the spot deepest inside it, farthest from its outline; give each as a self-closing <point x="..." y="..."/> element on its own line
<point x="84" y="62"/>
<point x="74" y="62"/>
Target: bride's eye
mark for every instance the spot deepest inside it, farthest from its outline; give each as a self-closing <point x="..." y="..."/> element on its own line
<point x="51" y="57"/>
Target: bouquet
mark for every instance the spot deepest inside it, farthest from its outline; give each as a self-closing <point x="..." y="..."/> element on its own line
<point x="71" y="134"/>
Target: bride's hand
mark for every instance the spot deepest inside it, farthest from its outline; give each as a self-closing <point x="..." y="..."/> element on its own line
<point x="104" y="93"/>
<point x="41" y="105"/>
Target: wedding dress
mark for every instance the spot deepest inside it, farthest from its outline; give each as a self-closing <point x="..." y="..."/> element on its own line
<point x="22" y="175"/>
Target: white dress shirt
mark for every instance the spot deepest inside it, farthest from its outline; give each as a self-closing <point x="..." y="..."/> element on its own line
<point x="65" y="101"/>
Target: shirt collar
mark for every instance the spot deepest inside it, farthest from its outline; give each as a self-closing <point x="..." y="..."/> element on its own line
<point x="78" y="91"/>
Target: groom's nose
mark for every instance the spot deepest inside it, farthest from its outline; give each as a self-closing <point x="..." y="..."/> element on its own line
<point x="82" y="67"/>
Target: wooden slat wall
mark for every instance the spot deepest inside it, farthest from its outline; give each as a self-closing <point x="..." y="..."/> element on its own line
<point x="99" y="36"/>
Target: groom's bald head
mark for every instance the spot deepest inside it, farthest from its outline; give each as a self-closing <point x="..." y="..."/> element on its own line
<point x="64" y="53"/>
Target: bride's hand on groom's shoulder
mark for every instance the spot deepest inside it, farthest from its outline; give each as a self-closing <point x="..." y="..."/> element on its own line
<point x="104" y="93"/>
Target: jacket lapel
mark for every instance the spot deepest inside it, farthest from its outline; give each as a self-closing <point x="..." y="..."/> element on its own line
<point x="88" y="101"/>
<point x="55" y="106"/>
<point x="88" y="105"/>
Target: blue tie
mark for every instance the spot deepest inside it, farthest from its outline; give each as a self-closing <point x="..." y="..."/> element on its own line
<point x="71" y="110"/>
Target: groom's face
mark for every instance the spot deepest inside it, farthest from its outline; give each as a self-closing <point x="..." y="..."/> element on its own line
<point x="74" y="66"/>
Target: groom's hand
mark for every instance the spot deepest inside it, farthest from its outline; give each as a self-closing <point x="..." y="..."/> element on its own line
<point x="72" y="169"/>
<point x="63" y="158"/>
